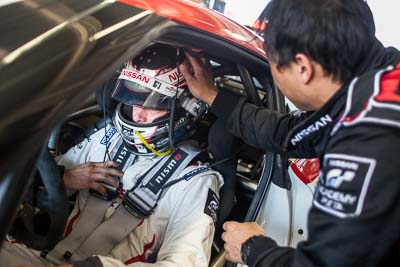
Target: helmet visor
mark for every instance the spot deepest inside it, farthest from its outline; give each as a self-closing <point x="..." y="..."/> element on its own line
<point x="140" y="88"/>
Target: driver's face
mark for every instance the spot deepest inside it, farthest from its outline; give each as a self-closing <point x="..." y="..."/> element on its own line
<point x="143" y="115"/>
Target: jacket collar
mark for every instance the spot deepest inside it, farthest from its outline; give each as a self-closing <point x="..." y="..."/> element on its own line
<point x="378" y="57"/>
<point x="318" y="121"/>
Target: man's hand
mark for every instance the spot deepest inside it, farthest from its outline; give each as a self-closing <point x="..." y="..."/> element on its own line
<point x="235" y="235"/>
<point x="88" y="175"/>
<point x="198" y="75"/>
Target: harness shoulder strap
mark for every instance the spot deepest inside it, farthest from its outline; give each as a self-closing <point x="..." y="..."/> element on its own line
<point x="108" y="234"/>
<point x="143" y="198"/>
<point x="91" y="217"/>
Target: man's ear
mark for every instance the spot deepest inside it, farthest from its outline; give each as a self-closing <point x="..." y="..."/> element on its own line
<point x="304" y="67"/>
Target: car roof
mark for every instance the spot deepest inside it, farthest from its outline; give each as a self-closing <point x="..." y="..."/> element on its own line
<point x="202" y="18"/>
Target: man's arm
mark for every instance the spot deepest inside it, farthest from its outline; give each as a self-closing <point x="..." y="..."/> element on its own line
<point x="257" y="126"/>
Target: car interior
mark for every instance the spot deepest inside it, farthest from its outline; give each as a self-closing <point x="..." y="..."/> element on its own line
<point x="242" y="164"/>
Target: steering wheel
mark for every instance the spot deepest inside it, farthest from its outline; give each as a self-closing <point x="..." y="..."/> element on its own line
<point x="47" y="201"/>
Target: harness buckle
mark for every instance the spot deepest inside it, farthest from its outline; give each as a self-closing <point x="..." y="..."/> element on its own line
<point x="112" y="192"/>
<point x="135" y="205"/>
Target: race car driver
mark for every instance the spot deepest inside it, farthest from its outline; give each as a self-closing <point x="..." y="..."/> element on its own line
<point x="141" y="200"/>
<point x="324" y="57"/>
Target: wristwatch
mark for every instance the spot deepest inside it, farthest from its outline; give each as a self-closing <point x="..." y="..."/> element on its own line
<point x="245" y="249"/>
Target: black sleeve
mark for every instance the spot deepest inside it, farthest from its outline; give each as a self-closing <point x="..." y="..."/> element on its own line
<point x="355" y="217"/>
<point x="258" y="126"/>
<point x="265" y="252"/>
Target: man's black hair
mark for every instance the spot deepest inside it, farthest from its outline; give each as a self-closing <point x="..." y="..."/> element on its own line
<point x="337" y="34"/>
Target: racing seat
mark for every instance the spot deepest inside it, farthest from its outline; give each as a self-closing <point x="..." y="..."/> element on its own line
<point x="107" y="105"/>
<point x="225" y="153"/>
<point x="103" y="95"/>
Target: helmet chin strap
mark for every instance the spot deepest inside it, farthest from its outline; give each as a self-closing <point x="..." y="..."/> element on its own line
<point x="151" y="148"/>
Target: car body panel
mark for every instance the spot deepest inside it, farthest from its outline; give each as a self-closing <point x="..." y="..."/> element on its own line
<point x="285" y="212"/>
<point x="307" y="170"/>
<point x="200" y="17"/>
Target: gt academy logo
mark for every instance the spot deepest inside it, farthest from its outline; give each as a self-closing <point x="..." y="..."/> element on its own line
<point x="344" y="184"/>
<point x="336" y="177"/>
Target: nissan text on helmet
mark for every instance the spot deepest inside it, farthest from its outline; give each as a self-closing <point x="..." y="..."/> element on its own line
<point x="153" y="81"/>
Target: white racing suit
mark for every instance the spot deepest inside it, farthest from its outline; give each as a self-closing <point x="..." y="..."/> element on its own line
<point x="179" y="232"/>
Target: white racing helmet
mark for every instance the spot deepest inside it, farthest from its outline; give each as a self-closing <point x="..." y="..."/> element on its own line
<point x="153" y="81"/>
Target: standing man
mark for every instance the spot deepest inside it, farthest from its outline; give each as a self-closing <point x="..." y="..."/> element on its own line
<point x="324" y="57"/>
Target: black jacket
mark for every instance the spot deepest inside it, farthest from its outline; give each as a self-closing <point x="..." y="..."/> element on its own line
<point x="355" y="216"/>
